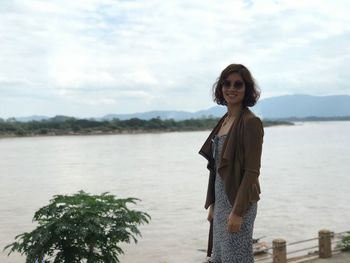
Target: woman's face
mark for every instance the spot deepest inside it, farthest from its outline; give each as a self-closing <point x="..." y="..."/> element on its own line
<point x="233" y="89"/>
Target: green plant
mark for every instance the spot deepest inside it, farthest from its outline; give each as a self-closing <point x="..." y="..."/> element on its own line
<point x="344" y="243"/>
<point x="80" y="228"/>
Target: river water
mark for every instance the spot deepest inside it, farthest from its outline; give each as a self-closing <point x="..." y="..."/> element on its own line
<point x="305" y="181"/>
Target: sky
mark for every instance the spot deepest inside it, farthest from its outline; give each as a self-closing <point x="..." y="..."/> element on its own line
<point x="89" y="58"/>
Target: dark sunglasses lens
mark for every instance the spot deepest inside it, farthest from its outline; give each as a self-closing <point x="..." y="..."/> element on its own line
<point x="238" y="84"/>
<point x="226" y="84"/>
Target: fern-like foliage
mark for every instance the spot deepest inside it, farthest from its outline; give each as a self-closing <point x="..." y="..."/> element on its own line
<point x="344" y="243"/>
<point x="80" y="228"/>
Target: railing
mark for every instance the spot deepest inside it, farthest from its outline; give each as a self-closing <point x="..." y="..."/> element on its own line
<point x="326" y="246"/>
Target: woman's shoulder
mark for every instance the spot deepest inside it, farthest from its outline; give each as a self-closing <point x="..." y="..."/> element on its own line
<point x="253" y="125"/>
<point x="250" y="116"/>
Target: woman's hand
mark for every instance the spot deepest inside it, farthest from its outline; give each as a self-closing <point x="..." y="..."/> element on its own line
<point x="210" y="213"/>
<point x="234" y="222"/>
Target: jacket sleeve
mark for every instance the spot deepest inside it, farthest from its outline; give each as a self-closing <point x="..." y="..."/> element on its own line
<point x="249" y="189"/>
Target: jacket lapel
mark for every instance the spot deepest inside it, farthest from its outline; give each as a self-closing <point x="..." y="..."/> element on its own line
<point x="206" y="149"/>
<point x="231" y="146"/>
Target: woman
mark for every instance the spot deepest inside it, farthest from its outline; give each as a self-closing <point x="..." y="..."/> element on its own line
<point x="233" y="150"/>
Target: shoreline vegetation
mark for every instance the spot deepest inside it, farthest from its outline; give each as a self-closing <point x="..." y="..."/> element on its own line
<point x="62" y="125"/>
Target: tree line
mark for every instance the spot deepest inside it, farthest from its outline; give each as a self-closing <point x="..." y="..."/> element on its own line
<point x="62" y="125"/>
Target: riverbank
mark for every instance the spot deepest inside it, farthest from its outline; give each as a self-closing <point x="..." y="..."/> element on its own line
<point x="72" y="127"/>
<point x="94" y="133"/>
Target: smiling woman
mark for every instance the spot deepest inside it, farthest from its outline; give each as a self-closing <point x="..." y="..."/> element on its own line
<point x="233" y="150"/>
<point x="241" y="78"/>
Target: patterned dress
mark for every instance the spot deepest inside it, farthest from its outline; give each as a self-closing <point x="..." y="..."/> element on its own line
<point x="230" y="247"/>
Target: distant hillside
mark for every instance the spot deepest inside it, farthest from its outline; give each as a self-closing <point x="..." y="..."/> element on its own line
<point x="301" y="106"/>
<point x="176" y="115"/>
<point x="32" y="118"/>
<point x="282" y="107"/>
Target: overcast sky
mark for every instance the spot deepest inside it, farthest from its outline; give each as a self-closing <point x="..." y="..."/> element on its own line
<point x="88" y="58"/>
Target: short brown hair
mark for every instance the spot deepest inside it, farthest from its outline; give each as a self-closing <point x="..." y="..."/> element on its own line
<point x="252" y="92"/>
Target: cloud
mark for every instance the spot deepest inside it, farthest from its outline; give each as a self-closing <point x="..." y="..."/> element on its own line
<point x="145" y="55"/>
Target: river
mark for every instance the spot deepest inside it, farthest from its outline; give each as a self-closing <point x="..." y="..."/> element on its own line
<point x="305" y="181"/>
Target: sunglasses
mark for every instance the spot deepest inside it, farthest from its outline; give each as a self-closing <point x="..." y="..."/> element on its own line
<point x="236" y="85"/>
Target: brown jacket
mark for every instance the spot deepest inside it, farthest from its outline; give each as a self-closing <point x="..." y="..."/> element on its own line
<point x="240" y="161"/>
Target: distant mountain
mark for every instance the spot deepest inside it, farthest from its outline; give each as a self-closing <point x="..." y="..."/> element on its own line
<point x="289" y="106"/>
<point x="282" y="107"/>
<point x="32" y="118"/>
<point x="301" y="106"/>
<point x="216" y="111"/>
<point x="176" y="115"/>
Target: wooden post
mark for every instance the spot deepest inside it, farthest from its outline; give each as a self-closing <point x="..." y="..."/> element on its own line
<point x="324" y="243"/>
<point x="279" y="250"/>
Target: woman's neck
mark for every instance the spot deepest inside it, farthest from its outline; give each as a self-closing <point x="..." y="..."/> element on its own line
<point x="233" y="110"/>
